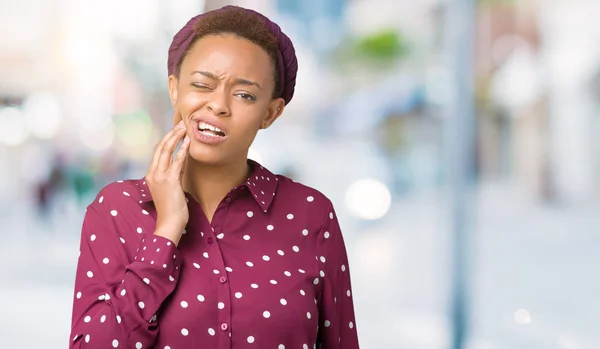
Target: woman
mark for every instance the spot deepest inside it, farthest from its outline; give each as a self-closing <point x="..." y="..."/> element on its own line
<point x="210" y="249"/>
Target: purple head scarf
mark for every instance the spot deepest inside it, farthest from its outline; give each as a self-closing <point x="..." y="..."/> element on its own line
<point x="287" y="63"/>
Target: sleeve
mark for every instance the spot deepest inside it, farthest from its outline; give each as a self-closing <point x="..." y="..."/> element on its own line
<point x="116" y="300"/>
<point x="337" y="325"/>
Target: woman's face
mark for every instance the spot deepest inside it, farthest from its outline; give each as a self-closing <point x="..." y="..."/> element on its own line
<point x="224" y="96"/>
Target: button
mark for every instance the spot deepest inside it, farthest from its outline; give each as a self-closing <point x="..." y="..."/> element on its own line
<point x="210" y="240"/>
<point x="224" y="326"/>
<point x="223" y="279"/>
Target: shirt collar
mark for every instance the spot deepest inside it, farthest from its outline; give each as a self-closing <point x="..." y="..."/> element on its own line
<point x="261" y="183"/>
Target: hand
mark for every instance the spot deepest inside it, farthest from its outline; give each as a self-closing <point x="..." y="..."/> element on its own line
<point x="164" y="181"/>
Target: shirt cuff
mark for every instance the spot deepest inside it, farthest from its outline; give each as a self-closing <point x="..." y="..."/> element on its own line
<point x="159" y="251"/>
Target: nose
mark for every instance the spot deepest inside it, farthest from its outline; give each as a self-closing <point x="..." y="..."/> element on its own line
<point x="219" y="103"/>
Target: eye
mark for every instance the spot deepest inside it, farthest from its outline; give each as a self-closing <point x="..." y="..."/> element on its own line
<point x="199" y="86"/>
<point x="247" y="96"/>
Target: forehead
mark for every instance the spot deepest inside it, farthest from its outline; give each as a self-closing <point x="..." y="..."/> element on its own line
<point x="229" y="55"/>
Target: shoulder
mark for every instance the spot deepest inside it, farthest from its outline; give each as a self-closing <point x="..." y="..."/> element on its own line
<point x="122" y="194"/>
<point x="312" y="200"/>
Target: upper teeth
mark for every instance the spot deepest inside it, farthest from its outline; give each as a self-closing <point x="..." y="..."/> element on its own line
<point x="204" y="125"/>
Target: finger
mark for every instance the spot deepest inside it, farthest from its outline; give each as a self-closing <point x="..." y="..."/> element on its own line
<point x="159" y="146"/>
<point x="166" y="153"/>
<point x="180" y="157"/>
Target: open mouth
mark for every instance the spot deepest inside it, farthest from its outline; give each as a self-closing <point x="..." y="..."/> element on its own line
<point x="210" y="130"/>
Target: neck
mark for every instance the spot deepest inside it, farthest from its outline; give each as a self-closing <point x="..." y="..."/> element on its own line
<point x="208" y="184"/>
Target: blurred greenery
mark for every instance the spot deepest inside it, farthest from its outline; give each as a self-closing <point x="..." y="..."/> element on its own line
<point x="378" y="50"/>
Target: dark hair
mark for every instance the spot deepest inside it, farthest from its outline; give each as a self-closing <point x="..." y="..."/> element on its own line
<point x="241" y="23"/>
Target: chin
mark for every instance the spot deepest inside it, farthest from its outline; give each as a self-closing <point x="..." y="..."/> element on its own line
<point x="211" y="155"/>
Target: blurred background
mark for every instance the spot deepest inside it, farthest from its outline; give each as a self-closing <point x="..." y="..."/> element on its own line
<point x="469" y="211"/>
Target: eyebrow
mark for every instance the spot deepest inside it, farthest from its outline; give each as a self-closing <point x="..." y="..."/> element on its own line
<point x="238" y="81"/>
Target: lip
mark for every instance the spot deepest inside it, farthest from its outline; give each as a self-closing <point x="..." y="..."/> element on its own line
<point x="204" y="138"/>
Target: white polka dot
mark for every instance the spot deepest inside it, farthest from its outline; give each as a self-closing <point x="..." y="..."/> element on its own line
<point x="296" y="249"/>
<point x="87" y="319"/>
<point x="216" y="271"/>
<point x="184" y="304"/>
<point x="123" y="292"/>
<point x="118" y="319"/>
<point x="280" y="252"/>
<point x="348" y="293"/>
<point x="167" y="347"/>
<point x="90" y="274"/>
<point x="250" y="339"/>
<point x="101" y="297"/>
<point x="147" y="281"/>
<point x="281" y="346"/>
<point x="153" y="318"/>
<point x="254" y="286"/>
<point x="101" y="199"/>
<point x="305" y="346"/>
<point x="200" y="298"/>
<point x="103" y="318"/>
<point x="287" y="273"/>
<point x="266" y="258"/>
<point x="301" y="271"/>
<point x="196" y="265"/>
<point x="343" y="267"/>
<point x="229" y="270"/>
<point x="250" y="264"/>
<point x="331" y="215"/>
<point x="114" y="213"/>
<point x="327" y="323"/>
<point x="322" y="259"/>
<point x="105" y="261"/>
<point x="171" y="278"/>
<point x="205" y="254"/>
<point x="266" y="314"/>
<point x="273" y="282"/>
<point x="322" y="273"/>
<point x="164" y="265"/>
<point x="184" y="331"/>
<point x="106" y="296"/>
<point x="310" y="199"/>
<point x="305" y="232"/>
<point x="308" y="315"/>
<point x="221" y="305"/>
<point x="246" y="237"/>
<point x="141" y="305"/>
<point x="138" y="345"/>
<point x="122" y="240"/>
<point x="87" y="338"/>
<point x="145" y="212"/>
<point x="351" y="324"/>
<point x="302" y="292"/>
<point x="270" y="227"/>
<point x="78" y="295"/>
<point x="326" y="235"/>
<point x="139" y="230"/>
<point x="283" y="301"/>
<point x="93" y="237"/>
<point x="220" y="236"/>
<point x="211" y="331"/>
<point x="238" y="295"/>
<point x="316" y="281"/>
<point x="290" y="216"/>
<point x="250" y="214"/>
<point x="115" y="343"/>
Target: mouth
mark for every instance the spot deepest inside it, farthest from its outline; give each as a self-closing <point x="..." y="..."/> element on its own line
<point x="210" y="130"/>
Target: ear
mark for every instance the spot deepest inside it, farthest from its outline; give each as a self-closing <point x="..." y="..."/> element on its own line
<point x="173" y="91"/>
<point x="273" y="112"/>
